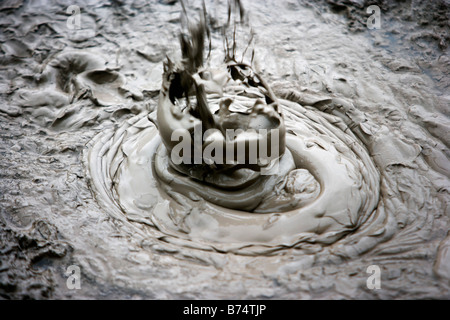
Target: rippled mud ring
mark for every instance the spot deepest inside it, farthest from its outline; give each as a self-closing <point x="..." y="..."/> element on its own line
<point x="121" y="166"/>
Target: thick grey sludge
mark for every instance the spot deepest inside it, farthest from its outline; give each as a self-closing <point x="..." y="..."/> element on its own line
<point x="86" y="181"/>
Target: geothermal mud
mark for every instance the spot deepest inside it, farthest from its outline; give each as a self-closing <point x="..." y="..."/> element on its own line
<point x="84" y="181"/>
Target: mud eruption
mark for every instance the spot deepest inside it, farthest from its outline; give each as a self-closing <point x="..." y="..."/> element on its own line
<point x="324" y="184"/>
<point x="127" y="167"/>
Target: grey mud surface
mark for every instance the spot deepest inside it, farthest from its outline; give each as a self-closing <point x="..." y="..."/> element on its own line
<point x="61" y="89"/>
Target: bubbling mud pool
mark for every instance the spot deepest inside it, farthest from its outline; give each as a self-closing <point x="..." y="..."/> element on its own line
<point x="133" y="166"/>
<point x="363" y="181"/>
<point x="129" y="169"/>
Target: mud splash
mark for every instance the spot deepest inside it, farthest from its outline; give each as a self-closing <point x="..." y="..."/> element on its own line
<point x="135" y="169"/>
<point x="375" y="119"/>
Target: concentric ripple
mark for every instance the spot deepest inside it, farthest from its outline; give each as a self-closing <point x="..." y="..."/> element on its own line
<point x="334" y="188"/>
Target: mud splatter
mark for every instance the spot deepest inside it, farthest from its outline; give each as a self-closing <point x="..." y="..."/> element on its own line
<point x="392" y="101"/>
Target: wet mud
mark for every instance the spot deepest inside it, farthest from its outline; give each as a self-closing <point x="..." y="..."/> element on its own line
<point x="85" y="180"/>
